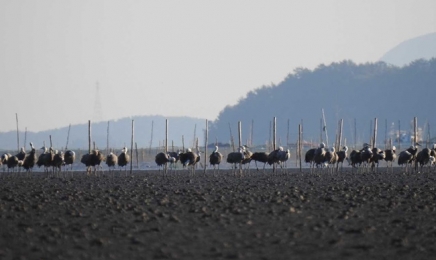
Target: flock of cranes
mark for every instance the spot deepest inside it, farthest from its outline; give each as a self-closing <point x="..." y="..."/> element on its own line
<point x="52" y="160"/>
<point x="49" y="158"/>
<point x="364" y="159"/>
<point x="369" y="158"/>
<point x="243" y="156"/>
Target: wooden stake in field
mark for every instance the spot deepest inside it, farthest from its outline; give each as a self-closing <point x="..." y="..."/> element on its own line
<point x="274" y="133"/>
<point x="386" y="134"/>
<point x="274" y="139"/>
<point x="374" y="144"/>
<point x="25" y="138"/>
<point x="239" y="133"/>
<point x="206" y="137"/>
<point x="320" y="131"/>
<point x="399" y="135"/>
<point x="232" y="141"/>
<point x="183" y="143"/>
<point x="287" y="135"/>
<point x="270" y="136"/>
<point x="355" y="133"/>
<point x="252" y="133"/>
<point x="195" y="135"/>
<point x="415" y="130"/>
<point x="89" y="136"/>
<point x="300" y="132"/>
<point x="68" y="137"/>
<point x="341" y="124"/>
<point x="18" y="133"/>
<point x="131" y="146"/>
<point x="137" y="155"/>
<point x="107" y="138"/>
<point x="298" y="155"/>
<point x="151" y="138"/>
<point x="166" y="145"/>
<point x="325" y="128"/>
<point x="240" y="143"/>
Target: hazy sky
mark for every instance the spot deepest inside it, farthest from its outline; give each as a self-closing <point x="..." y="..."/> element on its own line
<point x="177" y="58"/>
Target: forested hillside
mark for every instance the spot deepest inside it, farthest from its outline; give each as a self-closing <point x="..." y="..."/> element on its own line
<point x="344" y="90"/>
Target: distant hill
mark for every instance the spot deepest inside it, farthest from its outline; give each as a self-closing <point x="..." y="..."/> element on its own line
<point x="422" y="47"/>
<point x="119" y="132"/>
<point x="345" y="90"/>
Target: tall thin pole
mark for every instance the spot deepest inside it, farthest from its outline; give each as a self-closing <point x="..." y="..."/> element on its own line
<point x="25" y="137"/>
<point x="415" y="129"/>
<point x="166" y="136"/>
<point x="355" y="133"/>
<point x="320" y="131"/>
<point x="151" y="137"/>
<point x="300" y="132"/>
<point x="386" y="134"/>
<point x="252" y="133"/>
<point x="336" y="145"/>
<point x="274" y="139"/>
<point x="240" y="133"/>
<point x="399" y="135"/>
<point x="325" y="128"/>
<point x="89" y="136"/>
<point x="195" y="135"/>
<point x="131" y="146"/>
<point x="270" y="134"/>
<point x="166" y="144"/>
<point x="183" y="143"/>
<point x="374" y="144"/>
<point x="231" y="138"/>
<point x="287" y="135"/>
<point x="18" y="134"/>
<point x="240" y="143"/>
<point x="248" y="143"/>
<point x="206" y="137"/>
<point x="68" y="137"/>
<point x="107" y="138"/>
<point x="274" y="133"/>
<point x="137" y="155"/>
<point x="341" y="126"/>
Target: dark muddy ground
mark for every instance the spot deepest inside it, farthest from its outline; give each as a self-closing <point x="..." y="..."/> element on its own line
<point x="259" y="216"/>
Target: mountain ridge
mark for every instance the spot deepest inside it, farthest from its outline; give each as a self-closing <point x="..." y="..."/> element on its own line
<point x="421" y="47"/>
<point x="344" y="90"/>
<point x="119" y="133"/>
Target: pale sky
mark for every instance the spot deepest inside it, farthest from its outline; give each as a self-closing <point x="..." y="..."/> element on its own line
<point x="178" y="58"/>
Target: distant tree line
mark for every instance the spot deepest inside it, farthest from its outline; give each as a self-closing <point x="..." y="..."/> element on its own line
<point x="353" y="92"/>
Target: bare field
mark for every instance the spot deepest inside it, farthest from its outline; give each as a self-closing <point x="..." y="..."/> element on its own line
<point x="258" y="216"/>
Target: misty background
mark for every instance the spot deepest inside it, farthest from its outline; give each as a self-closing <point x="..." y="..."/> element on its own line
<point x="72" y="61"/>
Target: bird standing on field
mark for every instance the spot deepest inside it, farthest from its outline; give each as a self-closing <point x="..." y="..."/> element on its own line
<point x="123" y="159"/>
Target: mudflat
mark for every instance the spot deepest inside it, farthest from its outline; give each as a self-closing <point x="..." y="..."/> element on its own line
<point x="284" y="215"/>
